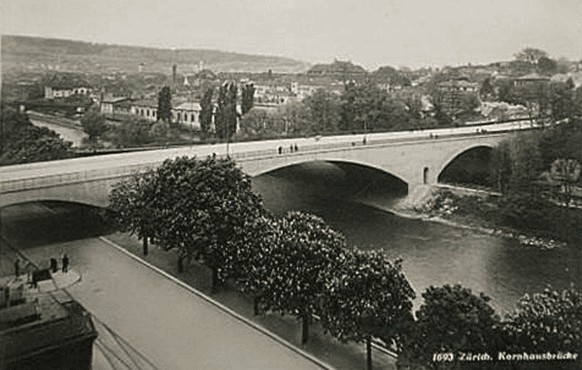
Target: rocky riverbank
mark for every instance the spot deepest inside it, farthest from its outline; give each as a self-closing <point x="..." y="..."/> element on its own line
<point x="440" y="207"/>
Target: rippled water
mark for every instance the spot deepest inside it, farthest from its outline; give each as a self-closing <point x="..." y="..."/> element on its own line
<point x="433" y="253"/>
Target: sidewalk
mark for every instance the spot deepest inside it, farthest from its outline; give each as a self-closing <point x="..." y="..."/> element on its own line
<point x="339" y="355"/>
<point x="59" y="280"/>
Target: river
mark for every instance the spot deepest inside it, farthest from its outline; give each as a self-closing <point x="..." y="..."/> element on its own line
<point x="432" y="253"/>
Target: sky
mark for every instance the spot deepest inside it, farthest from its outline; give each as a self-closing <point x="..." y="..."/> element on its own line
<point x="372" y="33"/>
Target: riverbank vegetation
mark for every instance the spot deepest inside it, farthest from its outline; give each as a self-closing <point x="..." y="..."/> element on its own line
<point x="22" y="142"/>
<point x="296" y="264"/>
<point x="534" y="189"/>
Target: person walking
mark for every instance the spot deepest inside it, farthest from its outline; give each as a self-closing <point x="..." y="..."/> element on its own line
<point x="17" y="267"/>
<point x="65" y="263"/>
<point x="54" y="266"/>
<point x="295" y="147"/>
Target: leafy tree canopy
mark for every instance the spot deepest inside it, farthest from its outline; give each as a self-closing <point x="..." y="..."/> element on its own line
<point x="451" y="319"/>
<point x="22" y="142"/>
<point x="94" y="124"/>
<point x="368" y="296"/>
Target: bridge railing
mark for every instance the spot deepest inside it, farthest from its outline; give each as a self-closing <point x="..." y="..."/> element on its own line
<point x="106" y="173"/>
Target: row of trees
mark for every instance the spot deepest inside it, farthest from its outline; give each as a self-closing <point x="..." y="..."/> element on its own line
<point x="206" y="210"/>
<point x="555" y="100"/>
<point x="361" y="107"/>
<point x="22" y="142"/>
<point x="298" y="265"/>
<point x="225" y="112"/>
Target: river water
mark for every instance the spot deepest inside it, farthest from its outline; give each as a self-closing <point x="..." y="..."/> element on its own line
<point x="432" y="253"/>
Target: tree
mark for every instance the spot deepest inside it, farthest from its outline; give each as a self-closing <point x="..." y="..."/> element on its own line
<point x="450" y="319"/>
<point x="135" y="132"/>
<point x="562" y="103"/>
<point x="469" y="102"/>
<point x="261" y="124"/>
<point x="296" y="118"/>
<point x="500" y="166"/>
<point x="94" y="125"/>
<point x="536" y="99"/>
<point x="531" y="55"/>
<point x="206" y="112"/>
<point x="307" y="254"/>
<point x="247" y="98"/>
<point x="526" y="162"/>
<point x="368" y="296"/>
<point x="547" y="322"/>
<point x="226" y="114"/>
<point x="324" y="110"/>
<point x="567" y="173"/>
<point x="546" y="65"/>
<point x="200" y="207"/>
<point x="486" y="88"/>
<point x="22" y="142"/>
<point x="362" y="107"/>
<point x="165" y="105"/>
<point x="131" y="202"/>
<point x="256" y="258"/>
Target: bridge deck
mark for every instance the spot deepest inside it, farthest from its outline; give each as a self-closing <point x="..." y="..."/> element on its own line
<point x="115" y="162"/>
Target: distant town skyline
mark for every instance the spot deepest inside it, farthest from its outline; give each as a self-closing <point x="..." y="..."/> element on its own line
<point x="371" y="33"/>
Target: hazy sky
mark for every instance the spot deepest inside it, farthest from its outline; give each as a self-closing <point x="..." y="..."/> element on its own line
<point x="368" y="32"/>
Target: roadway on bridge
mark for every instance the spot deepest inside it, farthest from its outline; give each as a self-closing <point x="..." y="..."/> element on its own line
<point x="237" y="150"/>
<point x="169" y="325"/>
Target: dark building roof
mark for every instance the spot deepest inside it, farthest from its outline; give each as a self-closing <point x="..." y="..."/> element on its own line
<point x="115" y="100"/>
<point x="67" y="81"/>
<point x="59" y="324"/>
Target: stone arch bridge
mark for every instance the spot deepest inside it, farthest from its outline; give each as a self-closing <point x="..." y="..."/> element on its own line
<point x="416" y="158"/>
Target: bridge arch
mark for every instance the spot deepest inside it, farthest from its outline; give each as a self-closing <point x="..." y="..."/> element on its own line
<point x="334" y="160"/>
<point x="323" y="179"/>
<point x="462" y="154"/>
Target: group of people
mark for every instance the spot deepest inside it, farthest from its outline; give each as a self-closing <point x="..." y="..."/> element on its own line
<point x="292" y="148"/>
<point x="65" y="264"/>
<point x="53" y="265"/>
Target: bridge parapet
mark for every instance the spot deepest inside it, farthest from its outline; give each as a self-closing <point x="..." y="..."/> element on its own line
<point x="38" y="182"/>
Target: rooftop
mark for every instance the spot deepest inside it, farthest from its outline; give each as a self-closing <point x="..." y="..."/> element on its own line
<point x="48" y="323"/>
<point x="533" y="77"/>
<point x="189" y="106"/>
<point x="116" y="100"/>
<point x="67" y="81"/>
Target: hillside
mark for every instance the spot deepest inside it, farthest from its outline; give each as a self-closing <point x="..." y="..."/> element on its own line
<point x="23" y="53"/>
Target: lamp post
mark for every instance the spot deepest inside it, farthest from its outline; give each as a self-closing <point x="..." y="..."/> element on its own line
<point x="227" y="139"/>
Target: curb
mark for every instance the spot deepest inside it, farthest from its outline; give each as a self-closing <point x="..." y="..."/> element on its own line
<point x="220" y="306"/>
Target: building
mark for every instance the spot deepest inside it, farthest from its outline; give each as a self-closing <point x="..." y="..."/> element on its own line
<point x="187" y="114"/>
<point x="451" y="93"/>
<point x="303" y="91"/>
<point x="116" y="108"/>
<point x="146" y="109"/>
<point x="272" y="93"/>
<point x="63" y="86"/>
<point x="531" y="80"/>
<point x="39" y="332"/>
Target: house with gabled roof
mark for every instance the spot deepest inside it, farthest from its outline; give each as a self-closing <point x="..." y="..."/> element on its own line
<point x="65" y="85"/>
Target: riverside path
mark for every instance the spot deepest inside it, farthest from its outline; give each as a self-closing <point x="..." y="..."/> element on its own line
<point x="168" y="324"/>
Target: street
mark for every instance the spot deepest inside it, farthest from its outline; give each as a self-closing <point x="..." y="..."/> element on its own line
<point x="172" y="327"/>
